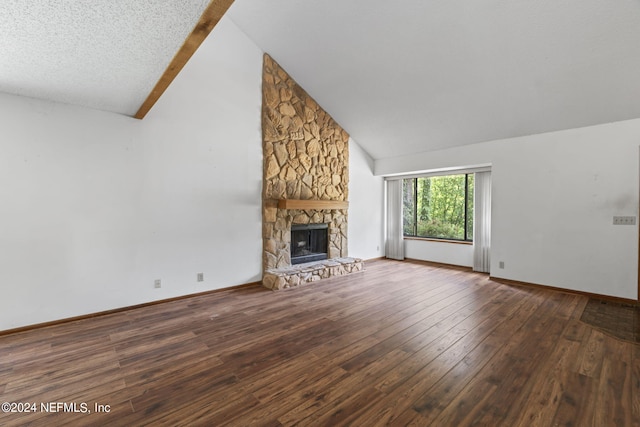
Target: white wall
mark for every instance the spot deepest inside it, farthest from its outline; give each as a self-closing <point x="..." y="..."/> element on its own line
<point x="446" y="253"/>
<point x="554" y="196"/>
<point x="95" y="206"/>
<point x="366" y="207"/>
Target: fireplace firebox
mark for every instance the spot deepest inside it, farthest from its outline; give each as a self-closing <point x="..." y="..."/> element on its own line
<point x="309" y="242"/>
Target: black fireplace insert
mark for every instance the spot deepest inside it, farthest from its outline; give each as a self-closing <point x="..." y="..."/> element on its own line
<point x="309" y="242"/>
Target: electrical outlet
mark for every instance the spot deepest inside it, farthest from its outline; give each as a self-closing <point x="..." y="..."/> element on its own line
<point x="200" y="277"/>
<point x="501" y="264"/>
<point x="157" y="283"/>
<point x="624" y="220"/>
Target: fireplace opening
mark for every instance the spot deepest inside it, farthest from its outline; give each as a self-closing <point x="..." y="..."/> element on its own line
<point x="309" y="242"/>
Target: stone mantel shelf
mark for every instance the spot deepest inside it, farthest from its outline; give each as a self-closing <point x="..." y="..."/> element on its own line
<point x="312" y="204"/>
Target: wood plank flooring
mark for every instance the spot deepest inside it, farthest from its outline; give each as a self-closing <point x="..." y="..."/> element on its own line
<point x="402" y="344"/>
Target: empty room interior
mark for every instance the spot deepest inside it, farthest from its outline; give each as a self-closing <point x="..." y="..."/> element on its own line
<point x="280" y="213"/>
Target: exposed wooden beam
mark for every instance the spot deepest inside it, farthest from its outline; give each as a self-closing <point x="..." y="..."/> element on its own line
<point x="210" y="17"/>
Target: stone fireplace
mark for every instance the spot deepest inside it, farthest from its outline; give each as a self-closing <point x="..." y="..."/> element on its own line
<point x="305" y="178"/>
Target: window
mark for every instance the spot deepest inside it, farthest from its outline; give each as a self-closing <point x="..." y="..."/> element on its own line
<point x="438" y="207"/>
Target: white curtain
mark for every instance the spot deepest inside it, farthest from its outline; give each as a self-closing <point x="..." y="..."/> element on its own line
<point x="394" y="245"/>
<point x="482" y="222"/>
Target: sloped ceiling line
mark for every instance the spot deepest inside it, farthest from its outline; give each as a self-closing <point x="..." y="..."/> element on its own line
<point x="401" y="77"/>
<point x="211" y="16"/>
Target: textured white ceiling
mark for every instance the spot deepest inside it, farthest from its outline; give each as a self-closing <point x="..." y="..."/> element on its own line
<point x="103" y="54"/>
<point x="414" y="75"/>
<point x="401" y="77"/>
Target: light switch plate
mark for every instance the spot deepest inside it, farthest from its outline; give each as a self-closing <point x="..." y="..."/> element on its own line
<point x="624" y="220"/>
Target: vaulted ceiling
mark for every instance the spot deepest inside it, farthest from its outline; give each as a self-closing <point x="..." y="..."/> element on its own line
<point x="103" y="54"/>
<point x="401" y="77"/>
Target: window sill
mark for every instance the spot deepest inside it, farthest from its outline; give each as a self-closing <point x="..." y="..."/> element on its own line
<point x="427" y="239"/>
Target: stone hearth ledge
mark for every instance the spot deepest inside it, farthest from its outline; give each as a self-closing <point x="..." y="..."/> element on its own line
<point x="300" y="274"/>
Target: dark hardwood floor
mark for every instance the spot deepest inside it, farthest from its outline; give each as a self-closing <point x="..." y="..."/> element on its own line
<point x="403" y="343"/>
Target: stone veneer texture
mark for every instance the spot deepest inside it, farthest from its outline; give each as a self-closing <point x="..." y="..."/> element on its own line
<point x="306" y="156"/>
